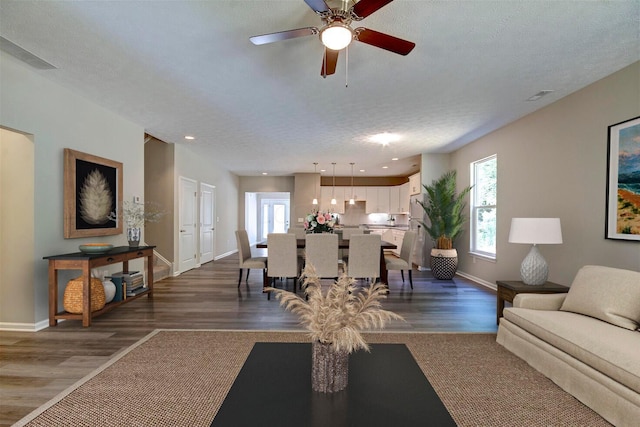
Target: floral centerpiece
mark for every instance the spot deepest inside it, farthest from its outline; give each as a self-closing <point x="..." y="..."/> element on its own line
<point x="334" y="320"/>
<point x="319" y="222"/>
<point x="135" y="215"/>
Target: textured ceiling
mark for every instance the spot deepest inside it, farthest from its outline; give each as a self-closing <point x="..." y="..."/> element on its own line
<point x="187" y="68"/>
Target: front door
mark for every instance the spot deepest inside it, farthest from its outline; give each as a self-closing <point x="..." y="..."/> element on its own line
<point x="274" y="216"/>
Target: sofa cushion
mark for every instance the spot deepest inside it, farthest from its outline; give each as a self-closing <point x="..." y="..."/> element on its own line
<point x="611" y="350"/>
<point x="608" y="294"/>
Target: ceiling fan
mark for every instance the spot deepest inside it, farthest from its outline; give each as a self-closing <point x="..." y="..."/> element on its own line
<point x="336" y="32"/>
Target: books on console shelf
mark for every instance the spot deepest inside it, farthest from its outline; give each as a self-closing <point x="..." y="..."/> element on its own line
<point x="134" y="292"/>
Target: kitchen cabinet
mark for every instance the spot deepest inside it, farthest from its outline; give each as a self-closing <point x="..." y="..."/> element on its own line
<point x="399" y="199"/>
<point x="415" y="185"/>
<point x="377" y="200"/>
<point x="326" y="193"/>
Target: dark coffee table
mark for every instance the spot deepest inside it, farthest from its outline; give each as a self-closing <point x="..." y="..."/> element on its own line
<point x="386" y="388"/>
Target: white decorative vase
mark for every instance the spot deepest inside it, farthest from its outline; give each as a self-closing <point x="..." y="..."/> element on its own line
<point x="109" y="290"/>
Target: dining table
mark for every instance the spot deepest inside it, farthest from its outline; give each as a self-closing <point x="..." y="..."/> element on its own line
<point x="344" y="244"/>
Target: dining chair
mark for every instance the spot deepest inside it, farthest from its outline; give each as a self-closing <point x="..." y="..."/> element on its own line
<point x="298" y="231"/>
<point x="404" y="262"/>
<point x="282" y="259"/>
<point x="346" y="235"/>
<point x="321" y="251"/>
<point x="364" y="256"/>
<point x="244" y="255"/>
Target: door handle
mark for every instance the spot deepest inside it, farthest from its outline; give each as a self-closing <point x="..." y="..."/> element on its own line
<point x="182" y="231"/>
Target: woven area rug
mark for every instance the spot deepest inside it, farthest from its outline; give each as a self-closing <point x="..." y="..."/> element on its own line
<point x="181" y="377"/>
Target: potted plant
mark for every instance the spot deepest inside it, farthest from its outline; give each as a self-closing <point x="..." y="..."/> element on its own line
<point x="135" y="215"/>
<point x="334" y="320"/>
<point x="445" y="210"/>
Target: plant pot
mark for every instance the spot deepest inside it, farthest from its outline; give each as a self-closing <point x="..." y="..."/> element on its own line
<point x="444" y="263"/>
<point x="329" y="368"/>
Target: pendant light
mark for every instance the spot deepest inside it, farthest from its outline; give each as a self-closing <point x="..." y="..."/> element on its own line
<point x="333" y="190"/>
<point x="351" y="200"/>
<point x="315" y="187"/>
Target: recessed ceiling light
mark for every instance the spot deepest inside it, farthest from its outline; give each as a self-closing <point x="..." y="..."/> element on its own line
<point x="361" y="170"/>
<point x="265" y="173"/>
<point x="189" y="137"/>
<point x="323" y="170"/>
<point x="395" y="158"/>
<point x="384" y="138"/>
<point x="385" y="167"/>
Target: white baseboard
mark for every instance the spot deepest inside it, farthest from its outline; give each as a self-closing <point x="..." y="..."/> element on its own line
<point x="225" y="255"/>
<point x="478" y="280"/>
<point x="25" y="327"/>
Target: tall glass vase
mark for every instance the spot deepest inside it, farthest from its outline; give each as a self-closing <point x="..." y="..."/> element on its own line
<point x="133" y="236"/>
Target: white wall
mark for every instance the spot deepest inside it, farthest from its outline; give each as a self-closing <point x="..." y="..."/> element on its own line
<point x="192" y="164"/>
<point x="58" y="118"/>
<point x="553" y="163"/>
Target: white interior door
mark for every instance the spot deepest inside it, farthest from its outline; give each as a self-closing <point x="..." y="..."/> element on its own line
<point x="187" y="224"/>
<point x="207" y="222"/>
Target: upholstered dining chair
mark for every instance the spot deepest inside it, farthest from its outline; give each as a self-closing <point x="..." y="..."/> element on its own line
<point x="298" y="231"/>
<point x="321" y="251"/>
<point x="244" y="254"/>
<point x="404" y="262"/>
<point x="346" y="235"/>
<point x="364" y="256"/>
<point x="282" y="259"/>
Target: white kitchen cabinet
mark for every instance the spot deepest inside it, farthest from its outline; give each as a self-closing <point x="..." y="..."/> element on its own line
<point x="405" y="198"/>
<point x="399" y="199"/>
<point x="377" y="200"/>
<point x="397" y="238"/>
<point x="326" y="193"/>
<point x="415" y="185"/>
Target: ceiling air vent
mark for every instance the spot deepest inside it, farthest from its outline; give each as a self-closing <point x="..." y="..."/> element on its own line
<point x="539" y="95"/>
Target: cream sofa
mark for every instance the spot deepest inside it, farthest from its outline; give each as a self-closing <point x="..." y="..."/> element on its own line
<point x="586" y="341"/>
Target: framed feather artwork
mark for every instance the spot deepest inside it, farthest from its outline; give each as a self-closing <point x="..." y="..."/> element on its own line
<point x="92" y="191"/>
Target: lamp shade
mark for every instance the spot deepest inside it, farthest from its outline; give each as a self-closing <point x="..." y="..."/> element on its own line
<point x="535" y="231"/>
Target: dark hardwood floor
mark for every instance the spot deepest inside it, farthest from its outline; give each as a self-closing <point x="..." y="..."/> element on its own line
<point x="36" y="366"/>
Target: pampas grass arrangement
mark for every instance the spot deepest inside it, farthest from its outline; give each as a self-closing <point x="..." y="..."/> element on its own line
<point x="337" y="316"/>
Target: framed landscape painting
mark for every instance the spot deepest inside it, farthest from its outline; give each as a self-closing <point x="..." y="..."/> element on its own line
<point x="92" y="190"/>
<point x="623" y="183"/>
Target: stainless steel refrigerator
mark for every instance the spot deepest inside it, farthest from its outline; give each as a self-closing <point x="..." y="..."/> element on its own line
<point x="422" y="248"/>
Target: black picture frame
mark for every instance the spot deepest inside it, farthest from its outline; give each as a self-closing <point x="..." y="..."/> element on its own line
<point x="623" y="181"/>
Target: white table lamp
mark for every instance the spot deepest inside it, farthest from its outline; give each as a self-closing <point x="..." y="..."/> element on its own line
<point x="535" y="231"/>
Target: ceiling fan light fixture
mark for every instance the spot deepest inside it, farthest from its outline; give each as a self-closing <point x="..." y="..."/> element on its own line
<point x="336" y="36"/>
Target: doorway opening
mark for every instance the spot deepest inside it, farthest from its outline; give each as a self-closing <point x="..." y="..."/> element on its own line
<point x="266" y="213"/>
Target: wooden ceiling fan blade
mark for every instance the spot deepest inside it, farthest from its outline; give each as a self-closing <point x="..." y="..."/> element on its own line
<point x="384" y="41"/>
<point x="364" y="8"/>
<point x="283" y="35"/>
<point x="318" y="6"/>
<point x="329" y="61"/>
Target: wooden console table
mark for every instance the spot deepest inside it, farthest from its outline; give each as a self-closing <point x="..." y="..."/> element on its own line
<point x="85" y="262"/>
<point x="507" y="290"/>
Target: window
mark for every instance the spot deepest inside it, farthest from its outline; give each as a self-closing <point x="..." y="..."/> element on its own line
<point x="484" y="178"/>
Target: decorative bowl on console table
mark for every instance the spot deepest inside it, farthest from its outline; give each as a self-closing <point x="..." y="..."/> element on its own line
<point x="95" y="248"/>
